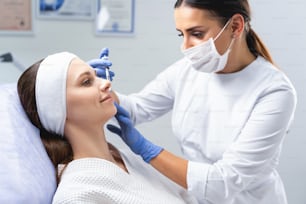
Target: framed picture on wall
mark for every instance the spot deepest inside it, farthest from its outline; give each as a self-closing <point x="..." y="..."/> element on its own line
<point x="16" y="17"/>
<point x="66" y="9"/>
<point x="115" y="17"/>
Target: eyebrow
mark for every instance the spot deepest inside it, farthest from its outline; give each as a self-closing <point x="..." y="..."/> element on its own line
<point x="87" y="73"/>
<point x="191" y="29"/>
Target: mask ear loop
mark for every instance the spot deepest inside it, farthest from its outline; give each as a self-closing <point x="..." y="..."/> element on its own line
<point x="221" y="31"/>
<point x="230" y="45"/>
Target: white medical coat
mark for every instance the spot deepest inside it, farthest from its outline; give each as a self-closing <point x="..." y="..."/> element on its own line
<point x="230" y="127"/>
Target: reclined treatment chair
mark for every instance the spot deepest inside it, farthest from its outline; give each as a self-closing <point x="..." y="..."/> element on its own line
<point x="26" y="172"/>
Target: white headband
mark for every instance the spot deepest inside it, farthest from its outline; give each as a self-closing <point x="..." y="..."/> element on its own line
<point x="50" y="90"/>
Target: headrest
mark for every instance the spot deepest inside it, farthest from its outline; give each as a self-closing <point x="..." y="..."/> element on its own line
<point x="26" y="174"/>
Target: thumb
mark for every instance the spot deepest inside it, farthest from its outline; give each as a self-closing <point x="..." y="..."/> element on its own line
<point x="114" y="129"/>
<point x="101" y="63"/>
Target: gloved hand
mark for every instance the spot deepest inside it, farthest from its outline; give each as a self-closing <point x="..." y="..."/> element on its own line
<point x="132" y="137"/>
<point x="101" y="64"/>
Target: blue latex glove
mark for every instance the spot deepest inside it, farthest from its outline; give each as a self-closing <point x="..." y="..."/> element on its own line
<point x="101" y="64"/>
<point x="132" y="137"/>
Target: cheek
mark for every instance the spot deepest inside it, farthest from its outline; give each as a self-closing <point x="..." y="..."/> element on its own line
<point x="222" y="43"/>
<point x="89" y="111"/>
<point x="190" y="41"/>
<point x="76" y="109"/>
<point x="112" y="110"/>
<point x="79" y="105"/>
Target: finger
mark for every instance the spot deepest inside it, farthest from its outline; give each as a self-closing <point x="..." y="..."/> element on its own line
<point x="112" y="74"/>
<point x="100" y="73"/>
<point x="99" y="63"/>
<point x="121" y="111"/>
<point x="104" y="52"/>
<point x="114" y="129"/>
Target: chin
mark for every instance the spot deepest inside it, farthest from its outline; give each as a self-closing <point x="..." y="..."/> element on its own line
<point x="114" y="110"/>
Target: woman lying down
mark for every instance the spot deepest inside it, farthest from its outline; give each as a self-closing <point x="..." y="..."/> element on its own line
<point x="64" y="99"/>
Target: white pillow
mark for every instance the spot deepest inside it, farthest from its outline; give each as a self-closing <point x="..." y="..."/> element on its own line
<point x="26" y="172"/>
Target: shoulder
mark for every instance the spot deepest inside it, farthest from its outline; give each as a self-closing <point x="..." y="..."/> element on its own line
<point x="274" y="77"/>
<point x="274" y="89"/>
<point x="261" y="75"/>
<point x="89" y="179"/>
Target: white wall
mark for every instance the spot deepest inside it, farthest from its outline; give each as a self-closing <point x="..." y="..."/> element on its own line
<point x="282" y="26"/>
<point x="138" y="59"/>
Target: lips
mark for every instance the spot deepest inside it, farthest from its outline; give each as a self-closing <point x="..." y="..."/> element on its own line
<point x="107" y="97"/>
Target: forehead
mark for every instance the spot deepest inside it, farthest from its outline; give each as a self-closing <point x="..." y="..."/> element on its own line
<point x="76" y="68"/>
<point x="77" y="65"/>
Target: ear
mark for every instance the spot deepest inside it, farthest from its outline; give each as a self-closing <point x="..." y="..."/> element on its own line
<point x="237" y="25"/>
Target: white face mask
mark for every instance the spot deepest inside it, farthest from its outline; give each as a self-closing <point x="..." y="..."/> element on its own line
<point x="205" y="57"/>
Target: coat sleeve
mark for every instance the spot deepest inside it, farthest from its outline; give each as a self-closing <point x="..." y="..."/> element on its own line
<point x="155" y="99"/>
<point x="253" y="155"/>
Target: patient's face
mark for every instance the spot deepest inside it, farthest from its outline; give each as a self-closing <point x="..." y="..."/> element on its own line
<point x="88" y="98"/>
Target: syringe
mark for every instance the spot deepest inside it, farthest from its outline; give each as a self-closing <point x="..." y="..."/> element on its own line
<point x="107" y="75"/>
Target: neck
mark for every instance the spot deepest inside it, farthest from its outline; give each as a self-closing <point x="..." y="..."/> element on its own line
<point x="90" y="142"/>
<point x="239" y="57"/>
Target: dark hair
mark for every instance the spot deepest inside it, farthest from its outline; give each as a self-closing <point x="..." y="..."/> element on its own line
<point x="58" y="148"/>
<point x="225" y="9"/>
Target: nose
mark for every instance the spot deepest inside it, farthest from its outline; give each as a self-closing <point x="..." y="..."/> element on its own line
<point x="187" y="43"/>
<point x="105" y="85"/>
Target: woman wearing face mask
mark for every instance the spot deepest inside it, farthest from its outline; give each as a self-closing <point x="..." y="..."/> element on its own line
<point x="231" y="108"/>
<point x="64" y="99"/>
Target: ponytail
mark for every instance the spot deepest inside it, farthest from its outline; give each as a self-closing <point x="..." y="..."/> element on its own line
<point x="256" y="45"/>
